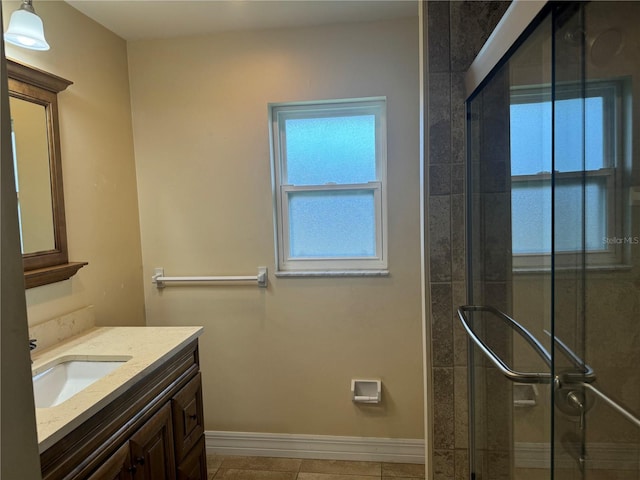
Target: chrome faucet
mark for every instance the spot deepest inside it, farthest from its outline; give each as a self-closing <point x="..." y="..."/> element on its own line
<point x="32" y="345"/>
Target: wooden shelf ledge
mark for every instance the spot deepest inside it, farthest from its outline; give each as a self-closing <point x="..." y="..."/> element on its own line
<point x="55" y="273"/>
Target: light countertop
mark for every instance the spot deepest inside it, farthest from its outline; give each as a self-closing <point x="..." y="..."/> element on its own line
<point x="144" y="347"/>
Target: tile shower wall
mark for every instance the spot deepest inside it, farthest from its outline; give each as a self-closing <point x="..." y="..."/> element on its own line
<point x="455" y="33"/>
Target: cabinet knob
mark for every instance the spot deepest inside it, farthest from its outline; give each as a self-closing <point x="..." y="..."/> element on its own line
<point x="140" y="460"/>
<point x="193" y="417"/>
<point x="132" y="469"/>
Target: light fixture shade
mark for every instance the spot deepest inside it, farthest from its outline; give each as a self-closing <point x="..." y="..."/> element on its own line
<point x="26" y="30"/>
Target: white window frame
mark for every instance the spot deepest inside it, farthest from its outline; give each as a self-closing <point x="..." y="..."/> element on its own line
<point x="328" y="266"/>
<point x="611" y="254"/>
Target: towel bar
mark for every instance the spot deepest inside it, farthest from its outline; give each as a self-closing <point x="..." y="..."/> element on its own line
<point x="261" y="278"/>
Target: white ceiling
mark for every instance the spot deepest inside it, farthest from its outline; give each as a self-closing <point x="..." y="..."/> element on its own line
<point x="144" y="19"/>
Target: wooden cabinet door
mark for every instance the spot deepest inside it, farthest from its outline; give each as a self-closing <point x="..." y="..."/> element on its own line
<point x="152" y="448"/>
<point x="194" y="465"/>
<point x="117" y="467"/>
<point x="188" y="423"/>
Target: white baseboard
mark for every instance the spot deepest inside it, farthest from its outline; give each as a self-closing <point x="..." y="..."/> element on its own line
<point x="324" y="447"/>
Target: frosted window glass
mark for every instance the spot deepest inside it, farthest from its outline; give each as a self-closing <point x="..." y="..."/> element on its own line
<point x="531" y="136"/>
<point x="332" y="224"/>
<point x="569" y="216"/>
<point x="531" y="216"/>
<point x="570" y="138"/>
<point x="595" y="157"/>
<point x="341" y="150"/>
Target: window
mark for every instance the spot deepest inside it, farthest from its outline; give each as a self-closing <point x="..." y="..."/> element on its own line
<point x="329" y="169"/>
<point x="587" y="146"/>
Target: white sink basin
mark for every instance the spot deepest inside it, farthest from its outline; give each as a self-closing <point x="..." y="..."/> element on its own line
<point x="63" y="378"/>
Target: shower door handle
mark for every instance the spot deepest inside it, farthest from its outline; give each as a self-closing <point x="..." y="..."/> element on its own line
<point x="566" y="380"/>
<point x="587" y="375"/>
<point x="613" y="404"/>
<point x="511" y="374"/>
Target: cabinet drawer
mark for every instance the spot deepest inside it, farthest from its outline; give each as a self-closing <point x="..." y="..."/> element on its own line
<point x="117" y="467"/>
<point x="188" y="423"/>
<point x="194" y="466"/>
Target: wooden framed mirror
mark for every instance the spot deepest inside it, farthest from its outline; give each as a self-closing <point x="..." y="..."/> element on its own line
<point x="38" y="168"/>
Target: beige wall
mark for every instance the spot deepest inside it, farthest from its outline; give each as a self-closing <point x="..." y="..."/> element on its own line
<point x="280" y="359"/>
<point x="98" y="168"/>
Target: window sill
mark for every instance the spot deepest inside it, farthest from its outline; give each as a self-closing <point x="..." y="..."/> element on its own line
<point x="591" y="268"/>
<point x="333" y="273"/>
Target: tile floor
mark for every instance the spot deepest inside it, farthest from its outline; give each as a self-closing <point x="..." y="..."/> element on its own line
<point x="270" y="468"/>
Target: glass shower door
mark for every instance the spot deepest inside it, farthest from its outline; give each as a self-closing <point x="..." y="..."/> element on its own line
<point x="553" y="251"/>
<point x="596" y="294"/>
<point x="509" y="228"/>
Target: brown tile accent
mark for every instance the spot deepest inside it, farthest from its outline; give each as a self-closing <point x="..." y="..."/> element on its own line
<point x="214" y="462"/>
<point x="341" y="467"/>
<point x="440" y="179"/>
<point x="438" y="34"/>
<point x="440" y="238"/>
<point x="274" y="468"/>
<point x="439" y="120"/>
<point x="459" y="296"/>
<point x="262" y="463"/>
<point x="402" y="478"/>
<point x="443" y="408"/>
<point x="443" y="465"/>
<point x="458" y="238"/>
<point x="332" y="476"/>
<point x="462" y="465"/>
<point x="458" y="176"/>
<point x="242" y="474"/>
<point x="458" y="127"/>
<point x="441" y="325"/>
<point x="395" y="470"/>
<point x="461" y="407"/>
<point x="453" y="42"/>
<point x="467" y="37"/>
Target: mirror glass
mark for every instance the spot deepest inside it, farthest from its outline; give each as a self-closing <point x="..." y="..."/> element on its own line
<point x="33" y="99"/>
<point x="33" y="175"/>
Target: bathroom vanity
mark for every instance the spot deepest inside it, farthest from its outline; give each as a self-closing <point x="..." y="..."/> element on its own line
<point x="144" y="420"/>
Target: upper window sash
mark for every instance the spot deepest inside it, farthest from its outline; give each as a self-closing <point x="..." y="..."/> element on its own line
<point x="280" y="113"/>
<point x="611" y="93"/>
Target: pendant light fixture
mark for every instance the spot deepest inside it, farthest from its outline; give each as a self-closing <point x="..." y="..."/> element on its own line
<point x="25" y="28"/>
